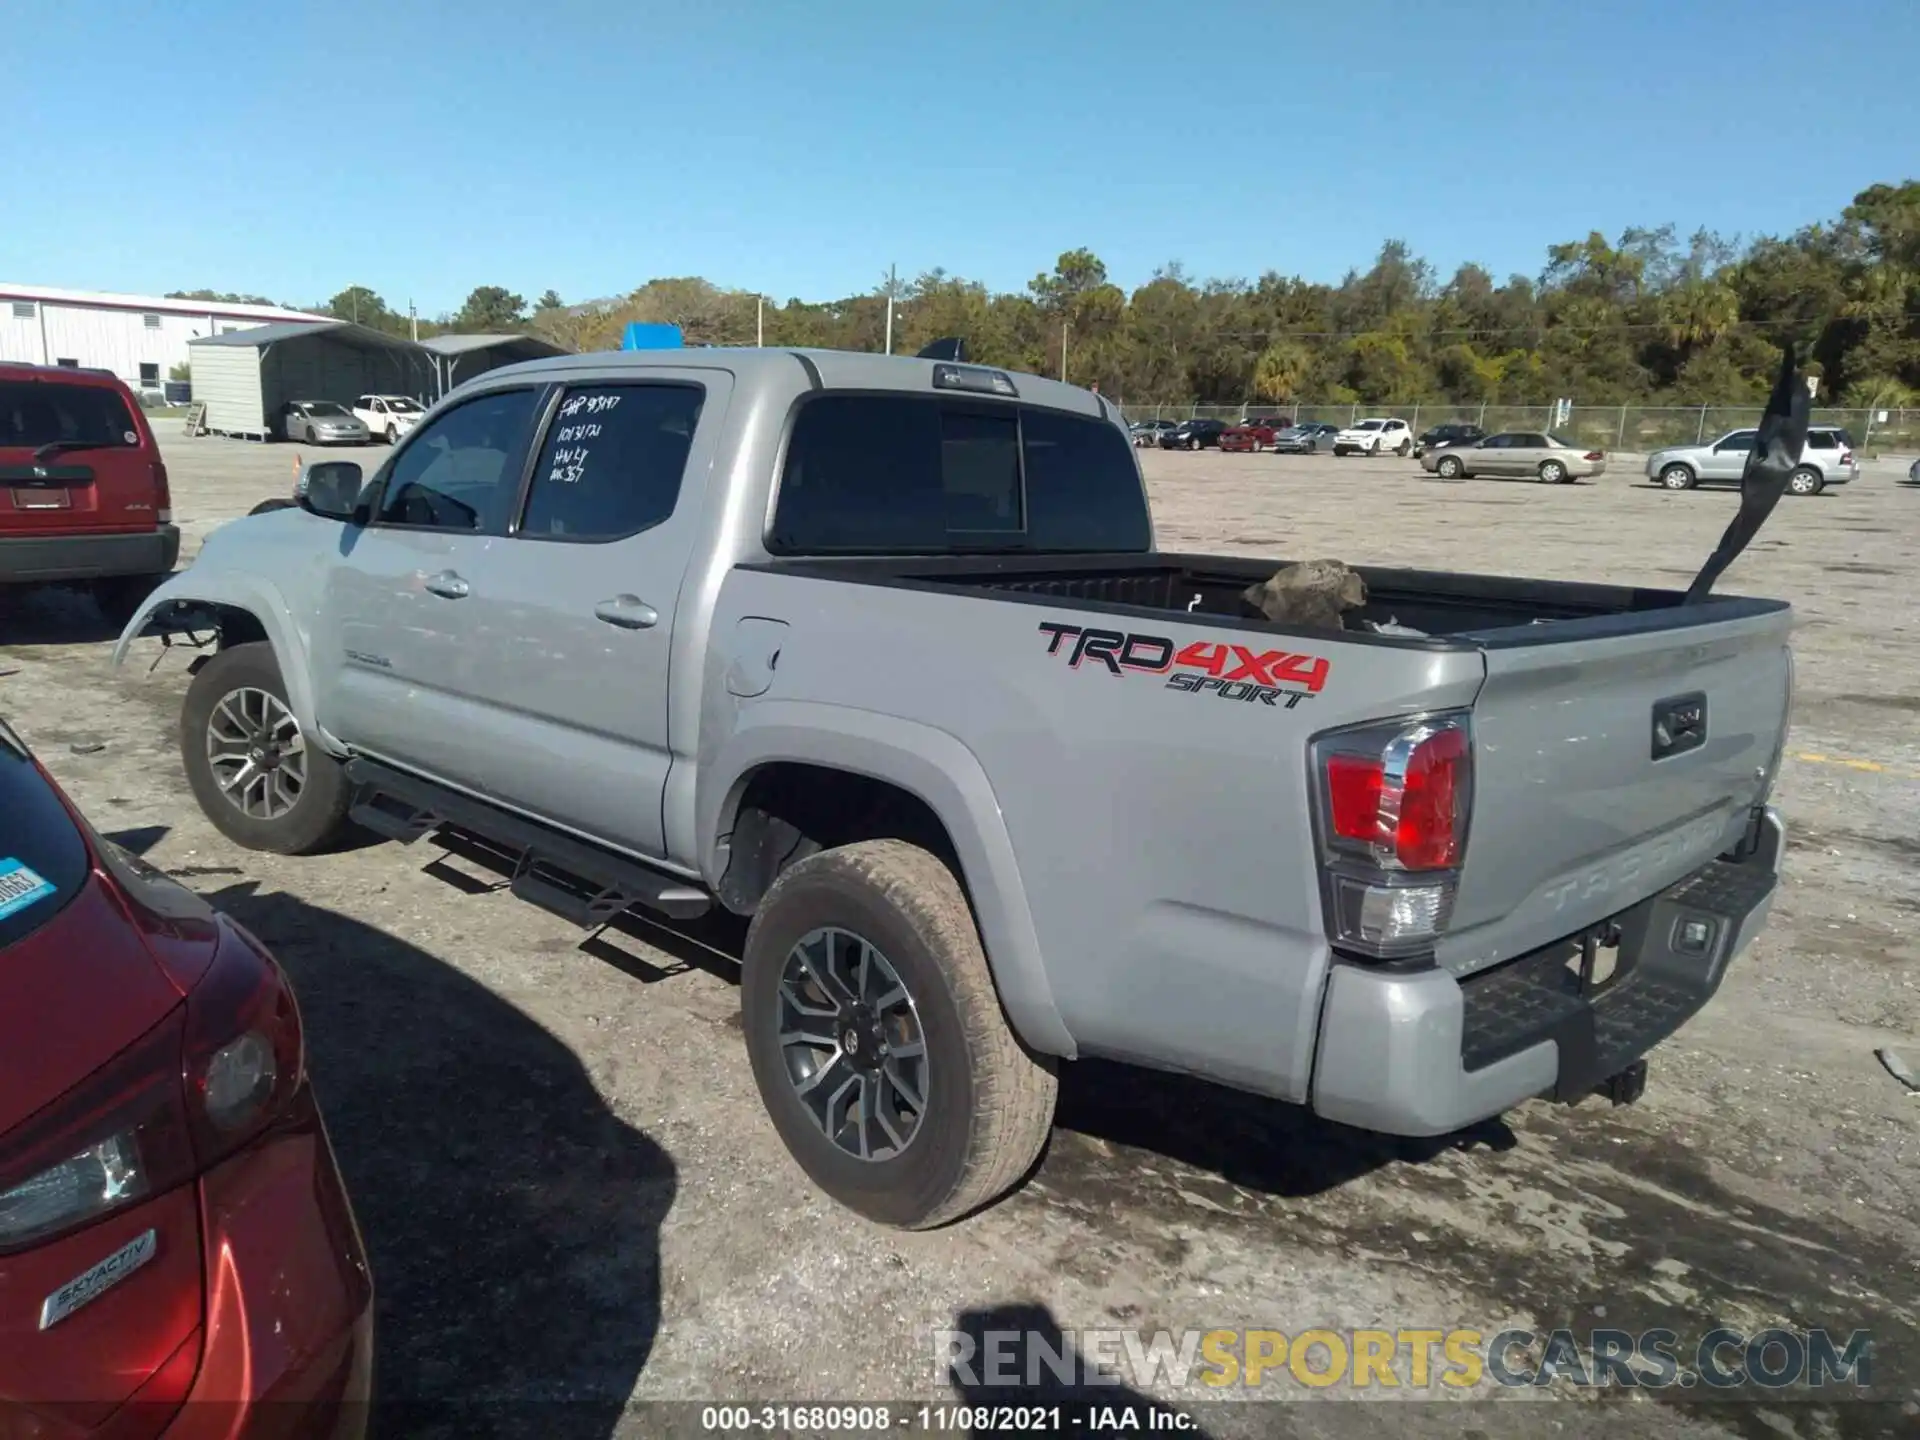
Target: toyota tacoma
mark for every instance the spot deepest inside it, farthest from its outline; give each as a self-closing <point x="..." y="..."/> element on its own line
<point x="880" y="653"/>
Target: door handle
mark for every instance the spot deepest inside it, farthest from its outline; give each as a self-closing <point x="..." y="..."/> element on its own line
<point x="447" y="585"/>
<point x="629" y="612"/>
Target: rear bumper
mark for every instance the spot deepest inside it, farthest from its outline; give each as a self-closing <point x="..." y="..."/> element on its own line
<point x="289" y="1305"/>
<point x="1424" y="1053"/>
<point x="36" y="559"/>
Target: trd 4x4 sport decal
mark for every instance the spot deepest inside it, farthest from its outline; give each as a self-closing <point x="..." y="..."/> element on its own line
<point x="1225" y="671"/>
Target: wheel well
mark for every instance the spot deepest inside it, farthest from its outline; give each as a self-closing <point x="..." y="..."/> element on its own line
<point x="237" y="626"/>
<point x="790" y="810"/>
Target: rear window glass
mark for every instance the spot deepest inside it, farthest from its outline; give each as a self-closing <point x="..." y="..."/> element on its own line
<point x="880" y="473"/>
<point x="43" y="861"/>
<point x="1822" y="440"/>
<point x="38" y="412"/>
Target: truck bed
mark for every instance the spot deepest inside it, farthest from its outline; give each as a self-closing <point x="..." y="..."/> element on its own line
<point x="1453" y="610"/>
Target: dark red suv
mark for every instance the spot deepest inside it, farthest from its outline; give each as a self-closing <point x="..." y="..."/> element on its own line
<point x="83" y="491"/>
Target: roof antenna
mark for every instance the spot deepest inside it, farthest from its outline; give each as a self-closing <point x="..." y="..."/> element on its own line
<point x="1776" y="451"/>
<point x="948" y="347"/>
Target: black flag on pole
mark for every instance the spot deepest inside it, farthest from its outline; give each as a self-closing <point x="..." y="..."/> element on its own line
<point x="1776" y="451"/>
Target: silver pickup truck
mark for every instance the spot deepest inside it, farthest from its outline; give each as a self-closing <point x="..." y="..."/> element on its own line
<point x="879" y="652"/>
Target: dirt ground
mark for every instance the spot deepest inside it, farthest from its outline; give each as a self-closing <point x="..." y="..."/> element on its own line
<point x="571" y="1194"/>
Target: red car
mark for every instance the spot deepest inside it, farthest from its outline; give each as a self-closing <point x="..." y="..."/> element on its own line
<point x="177" y="1253"/>
<point x="1254" y="434"/>
<point x="83" y="492"/>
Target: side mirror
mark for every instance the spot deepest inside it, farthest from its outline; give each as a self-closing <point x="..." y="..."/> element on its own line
<point x="328" y="488"/>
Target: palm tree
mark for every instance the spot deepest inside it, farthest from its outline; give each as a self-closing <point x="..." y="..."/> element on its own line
<point x="1280" y="370"/>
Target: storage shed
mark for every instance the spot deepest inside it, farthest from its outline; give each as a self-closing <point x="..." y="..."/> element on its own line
<point x="461" y="357"/>
<point x="246" y="377"/>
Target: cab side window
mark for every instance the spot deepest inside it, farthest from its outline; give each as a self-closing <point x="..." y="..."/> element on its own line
<point x="612" y="462"/>
<point x="463" y="471"/>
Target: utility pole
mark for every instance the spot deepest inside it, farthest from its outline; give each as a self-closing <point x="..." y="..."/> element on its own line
<point x="892" y="284"/>
<point x="1064" y="327"/>
<point x="413" y="322"/>
<point x="760" y="320"/>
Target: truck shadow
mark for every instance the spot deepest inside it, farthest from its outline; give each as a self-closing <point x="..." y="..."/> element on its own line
<point x="1252" y="1142"/>
<point x="51" y="616"/>
<point x="511" y="1218"/>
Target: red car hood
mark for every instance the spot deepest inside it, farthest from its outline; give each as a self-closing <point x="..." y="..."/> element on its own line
<point x="73" y="994"/>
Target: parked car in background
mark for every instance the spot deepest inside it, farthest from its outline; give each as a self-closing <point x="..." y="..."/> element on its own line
<point x="1308" y="439"/>
<point x="83" y="491"/>
<point x="1438" y="437"/>
<point x="1194" y="435"/>
<point x="1374" y="437"/>
<point x="322" y="422"/>
<point x="1827" y="460"/>
<point x="1253" y="434"/>
<point x="388" y="416"/>
<point x="1551" y="458"/>
<point x="175" y="1240"/>
<point x="1147" y="433"/>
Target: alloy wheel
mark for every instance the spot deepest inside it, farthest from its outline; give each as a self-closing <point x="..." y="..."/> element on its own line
<point x="256" y="753"/>
<point x="850" y="1036"/>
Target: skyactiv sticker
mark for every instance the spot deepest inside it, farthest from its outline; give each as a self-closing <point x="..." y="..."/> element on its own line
<point x="20" y="887"/>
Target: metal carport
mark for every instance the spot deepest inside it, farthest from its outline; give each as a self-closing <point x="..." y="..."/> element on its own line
<point x="461" y="357"/>
<point x="247" y="376"/>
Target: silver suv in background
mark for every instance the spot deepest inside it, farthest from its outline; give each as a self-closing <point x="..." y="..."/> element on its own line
<point x="1827" y="460"/>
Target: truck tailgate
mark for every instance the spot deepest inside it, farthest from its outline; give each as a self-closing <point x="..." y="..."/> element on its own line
<point x="1612" y="758"/>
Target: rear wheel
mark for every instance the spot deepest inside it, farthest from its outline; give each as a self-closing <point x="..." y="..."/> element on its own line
<point x="1553" y="472"/>
<point x="1806" y="481"/>
<point x="877" y="1039"/>
<point x="1677" y="477"/>
<point x="1449" y="467"/>
<point x="249" y="765"/>
<point x="1403" y="449"/>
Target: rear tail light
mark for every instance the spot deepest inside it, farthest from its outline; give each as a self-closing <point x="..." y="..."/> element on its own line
<point x="208" y="1080"/>
<point x="1846" y="457"/>
<point x="1595" y="455"/>
<point x="162" y="493"/>
<point x="1392" y="809"/>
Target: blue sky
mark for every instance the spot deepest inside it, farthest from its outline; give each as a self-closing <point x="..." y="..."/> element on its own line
<point x="798" y="149"/>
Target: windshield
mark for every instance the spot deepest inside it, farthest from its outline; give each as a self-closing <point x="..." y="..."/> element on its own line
<point x="326" y="408"/>
<point x="35" y="413"/>
<point x="401" y="405"/>
<point x="43" y="861"/>
<point x="1369" y="425"/>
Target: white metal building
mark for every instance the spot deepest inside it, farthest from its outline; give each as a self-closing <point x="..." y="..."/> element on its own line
<point x="138" y="337"/>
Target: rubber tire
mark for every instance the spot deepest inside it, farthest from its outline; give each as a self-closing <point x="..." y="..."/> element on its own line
<point x="1374" y="452"/>
<point x="979" y="1137"/>
<point x="1678" y="477"/>
<point x="317" y="820"/>
<point x="1192" y="443"/>
<point x="1313" y="447"/>
<point x="1448" y="467"/>
<point x="1819" y="482"/>
<point x="118" y="597"/>
<point x="393" y="435"/>
<point x="1554" y="473"/>
<point x="1403" y="449"/>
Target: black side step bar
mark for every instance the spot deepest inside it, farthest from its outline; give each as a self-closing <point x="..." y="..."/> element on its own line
<point x="570" y="878"/>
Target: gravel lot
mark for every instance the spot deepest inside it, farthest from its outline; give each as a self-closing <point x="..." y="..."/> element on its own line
<point x="570" y="1191"/>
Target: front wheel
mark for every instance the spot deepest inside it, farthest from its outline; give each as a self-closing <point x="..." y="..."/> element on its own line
<point x="256" y="776"/>
<point x="1806" y="481"/>
<point x="1677" y="477"/>
<point x="393" y="435"/>
<point x="1553" y="472"/>
<point x="1449" y="467"/>
<point x="878" y="1042"/>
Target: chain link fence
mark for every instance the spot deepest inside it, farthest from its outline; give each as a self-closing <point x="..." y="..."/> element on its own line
<point x="1630" y="428"/>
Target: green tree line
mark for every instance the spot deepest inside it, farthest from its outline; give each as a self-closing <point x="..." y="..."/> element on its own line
<point x="1644" y="318"/>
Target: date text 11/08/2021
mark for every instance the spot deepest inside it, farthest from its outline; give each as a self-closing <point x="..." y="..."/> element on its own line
<point x="941" y="1419"/>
